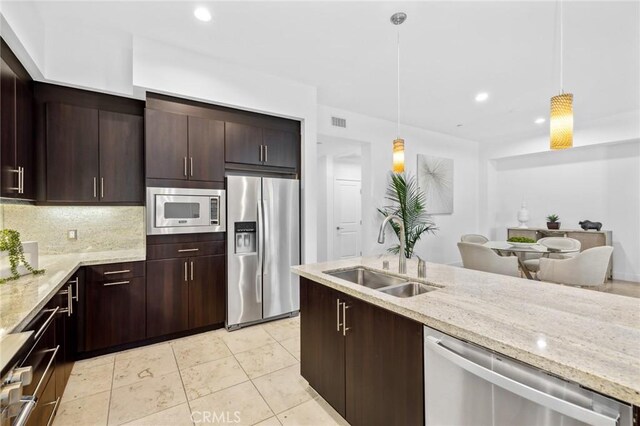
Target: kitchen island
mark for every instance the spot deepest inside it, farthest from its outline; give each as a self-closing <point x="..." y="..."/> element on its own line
<point x="585" y="337"/>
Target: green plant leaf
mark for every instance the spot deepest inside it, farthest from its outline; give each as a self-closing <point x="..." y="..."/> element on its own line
<point x="10" y="242"/>
<point x="408" y="202"/>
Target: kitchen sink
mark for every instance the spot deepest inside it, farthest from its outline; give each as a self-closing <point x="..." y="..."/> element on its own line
<point x="407" y="290"/>
<point x="367" y="278"/>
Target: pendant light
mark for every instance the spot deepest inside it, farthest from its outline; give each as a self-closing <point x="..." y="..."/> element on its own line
<point x="398" y="144"/>
<point x="561" y="119"/>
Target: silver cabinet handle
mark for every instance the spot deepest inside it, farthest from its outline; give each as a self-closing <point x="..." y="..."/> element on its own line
<point x="101" y="187"/>
<point x="338" y="324"/>
<point x="187" y="250"/>
<point x="42" y="329"/>
<point x="53" y="412"/>
<point x="124" y="271"/>
<point x="53" y="352"/>
<point x="344" y="318"/>
<point x="29" y="403"/>
<point x="116" y="283"/>
<point x="556" y="404"/>
<point x="185" y="166"/>
<point x="70" y="300"/>
<point x="75" y="281"/>
<point x="185" y="272"/>
<point x="21" y="180"/>
<point x="191" y="270"/>
<point x="261" y="153"/>
<point x="95" y="187"/>
<point x="266" y="153"/>
<point x="191" y="164"/>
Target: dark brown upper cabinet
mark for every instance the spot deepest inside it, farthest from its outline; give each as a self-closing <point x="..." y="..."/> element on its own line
<point x="243" y="144"/>
<point x="246" y="144"/>
<point x="72" y="153"/>
<point x="17" y="155"/>
<point x="181" y="147"/>
<point x="93" y="156"/>
<point x="206" y="149"/>
<point x="281" y="148"/>
<point x="121" y="158"/>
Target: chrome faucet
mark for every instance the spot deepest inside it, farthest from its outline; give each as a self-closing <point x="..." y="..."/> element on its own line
<point x="402" y="262"/>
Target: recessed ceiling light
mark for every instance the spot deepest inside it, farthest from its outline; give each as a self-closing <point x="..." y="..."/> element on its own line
<point x="540" y="120"/>
<point x="482" y="96"/>
<point x="202" y="13"/>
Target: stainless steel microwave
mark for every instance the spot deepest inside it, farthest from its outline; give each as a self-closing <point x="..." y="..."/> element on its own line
<point x="185" y="211"/>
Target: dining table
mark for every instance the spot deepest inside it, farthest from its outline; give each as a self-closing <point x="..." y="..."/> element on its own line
<point x="505" y="248"/>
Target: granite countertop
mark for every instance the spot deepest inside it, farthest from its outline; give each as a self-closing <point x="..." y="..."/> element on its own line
<point x="22" y="299"/>
<point x="587" y="337"/>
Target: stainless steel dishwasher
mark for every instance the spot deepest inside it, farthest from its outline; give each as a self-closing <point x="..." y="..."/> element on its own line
<point x="469" y="385"/>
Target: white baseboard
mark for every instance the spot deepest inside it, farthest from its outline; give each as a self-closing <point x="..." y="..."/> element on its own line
<point x="626" y="277"/>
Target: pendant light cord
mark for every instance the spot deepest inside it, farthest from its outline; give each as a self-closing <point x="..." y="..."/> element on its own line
<point x="398" y="92"/>
<point x="561" y="50"/>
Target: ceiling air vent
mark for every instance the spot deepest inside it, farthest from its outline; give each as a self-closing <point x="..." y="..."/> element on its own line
<point x="339" y="122"/>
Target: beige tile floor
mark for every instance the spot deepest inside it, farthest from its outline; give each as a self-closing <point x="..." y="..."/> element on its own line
<point x="245" y="377"/>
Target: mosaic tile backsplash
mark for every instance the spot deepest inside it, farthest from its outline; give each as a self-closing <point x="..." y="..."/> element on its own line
<point x="99" y="228"/>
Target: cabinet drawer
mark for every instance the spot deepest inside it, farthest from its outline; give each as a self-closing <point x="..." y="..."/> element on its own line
<point x="115" y="271"/>
<point x="42" y="355"/>
<point x="46" y="406"/>
<point x="168" y="251"/>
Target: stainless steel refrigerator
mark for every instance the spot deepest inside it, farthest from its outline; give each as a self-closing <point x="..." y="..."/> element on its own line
<point x="263" y="242"/>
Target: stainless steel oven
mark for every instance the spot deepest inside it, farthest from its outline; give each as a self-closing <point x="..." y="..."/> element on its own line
<point x="185" y="211"/>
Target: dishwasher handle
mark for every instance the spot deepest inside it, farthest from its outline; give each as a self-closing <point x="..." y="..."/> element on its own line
<point x="556" y="404"/>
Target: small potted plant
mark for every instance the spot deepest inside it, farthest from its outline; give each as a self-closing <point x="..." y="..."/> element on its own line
<point x="552" y="221"/>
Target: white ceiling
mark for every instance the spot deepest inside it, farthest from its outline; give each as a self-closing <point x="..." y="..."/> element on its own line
<point x="450" y="51"/>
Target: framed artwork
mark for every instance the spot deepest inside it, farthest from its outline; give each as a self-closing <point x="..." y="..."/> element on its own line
<point x="435" y="179"/>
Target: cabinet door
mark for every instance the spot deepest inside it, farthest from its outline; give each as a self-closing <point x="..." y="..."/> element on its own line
<point x="121" y="158"/>
<point x="206" y="149"/>
<point x="281" y="148"/>
<point x="115" y="312"/>
<point x="167" y="296"/>
<point x="384" y="367"/>
<point x="25" y="142"/>
<point x="206" y="291"/>
<point x="8" y="131"/>
<point x="166" y="145"/>
<point x="72" y="153"/>
<point x="242" y="144"/>
<point x="321" y="342"/>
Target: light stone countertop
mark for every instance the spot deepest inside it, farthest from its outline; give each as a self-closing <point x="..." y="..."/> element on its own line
<point x="22" y="299"/>
<point x="584" y="336"/>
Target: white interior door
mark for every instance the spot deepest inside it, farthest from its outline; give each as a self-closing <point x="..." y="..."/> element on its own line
<point x="346" y="219"/>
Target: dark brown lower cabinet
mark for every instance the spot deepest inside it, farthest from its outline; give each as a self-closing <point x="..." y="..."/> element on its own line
<point x="167" y="295"/>
<point x="367" y="362"/>
<point x="115" y="312"/>
<point x="322" y="344"/>
<point x="184" y="293"/>
<point x="206" y="291"/>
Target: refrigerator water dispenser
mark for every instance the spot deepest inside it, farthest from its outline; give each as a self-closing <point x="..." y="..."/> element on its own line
<point x="245" y="237"/>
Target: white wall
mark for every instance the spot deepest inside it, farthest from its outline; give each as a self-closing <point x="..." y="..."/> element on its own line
<point x="597" y="182"/>
<point x="376" y="136"/>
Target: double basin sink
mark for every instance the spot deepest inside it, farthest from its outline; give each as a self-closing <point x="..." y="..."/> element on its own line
<point x="388" y="284"/>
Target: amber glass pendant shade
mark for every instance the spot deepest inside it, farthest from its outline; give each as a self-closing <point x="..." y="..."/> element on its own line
<point x="398" y="156"/>
<point x="561" y="122"/>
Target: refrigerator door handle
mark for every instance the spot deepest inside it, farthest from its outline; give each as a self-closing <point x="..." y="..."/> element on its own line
<point x="260" y="252"/>
<point x="556" y="404"/>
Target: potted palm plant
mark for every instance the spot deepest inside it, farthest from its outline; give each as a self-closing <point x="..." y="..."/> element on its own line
<point x="407" y="202"/>
<point x="552" y="221"/>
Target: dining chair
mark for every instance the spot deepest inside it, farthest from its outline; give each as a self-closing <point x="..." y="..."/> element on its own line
<point x="588" y="268"/>
<point x="480" y="258"/>
<point x="554" y="243"/>
<point x="474" y="238"/>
